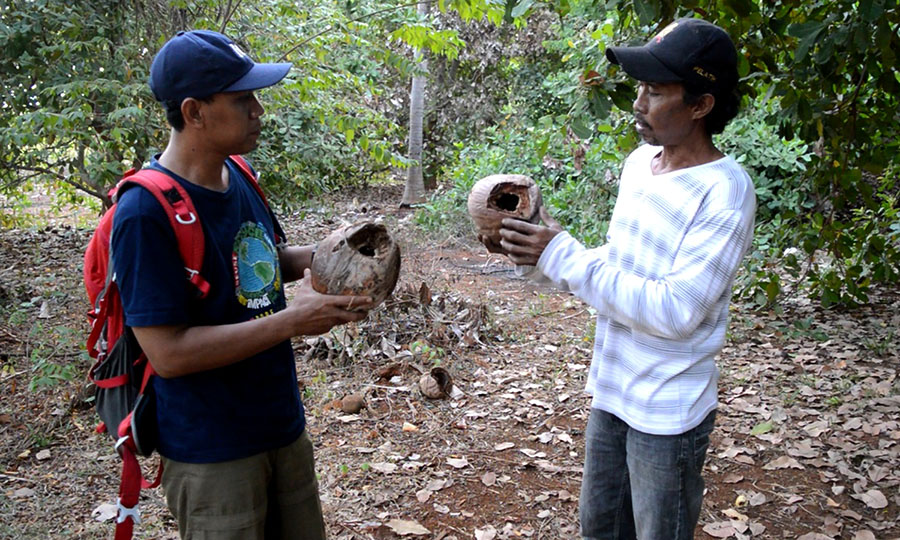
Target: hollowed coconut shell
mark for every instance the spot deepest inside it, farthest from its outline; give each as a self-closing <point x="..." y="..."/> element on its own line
<point x="436" y="384"/>
<point x="361" y="259"/>
<point x="503" y="196"/>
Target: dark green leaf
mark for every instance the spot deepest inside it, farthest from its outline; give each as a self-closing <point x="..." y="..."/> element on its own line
<point x="807" y="33"/>
<point x="870" y="10"/>
<point x="646" y="11"/>
<point x="582" y="130"/>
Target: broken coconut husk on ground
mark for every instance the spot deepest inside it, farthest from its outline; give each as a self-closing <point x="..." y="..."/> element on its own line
<point x="500" y="196"/>
<point x="436" y="384"/>
<point x="448" y="322"/>
<point x="359" y="259"/>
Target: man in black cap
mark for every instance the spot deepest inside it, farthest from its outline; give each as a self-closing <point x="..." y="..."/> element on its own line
<point x="237" y="460"/>
<point x="661" y="286"/>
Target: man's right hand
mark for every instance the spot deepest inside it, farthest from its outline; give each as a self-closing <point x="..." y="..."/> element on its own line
<point x="492" y="247"/>
<point x="524" y="242"/>
<point x="316" y="313"/>
<point x="176" y="350"/>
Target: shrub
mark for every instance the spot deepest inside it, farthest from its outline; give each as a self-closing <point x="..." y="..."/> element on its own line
<point x="775" y="164"/>
<point x="580" y="199"/>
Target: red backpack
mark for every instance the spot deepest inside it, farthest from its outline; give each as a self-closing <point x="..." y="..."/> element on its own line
<point x="121" y="371"/>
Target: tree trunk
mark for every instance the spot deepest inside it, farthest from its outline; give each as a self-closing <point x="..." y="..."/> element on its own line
<point x="415" y="186"/>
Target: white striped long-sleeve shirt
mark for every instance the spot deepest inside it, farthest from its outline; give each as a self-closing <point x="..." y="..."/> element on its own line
<point x="661" y="286"/>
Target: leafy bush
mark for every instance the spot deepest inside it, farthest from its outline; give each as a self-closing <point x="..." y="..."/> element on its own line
<point x="579" y="194"/>
<point x="836" y="259"/>
<point x="865" y="250"/>
<point x="775" y="164"/>
<point x="783" y="195"/>
<point x="501" y="151"/>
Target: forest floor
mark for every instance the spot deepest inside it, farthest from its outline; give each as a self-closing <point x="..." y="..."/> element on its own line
<point x="805" y="447"/>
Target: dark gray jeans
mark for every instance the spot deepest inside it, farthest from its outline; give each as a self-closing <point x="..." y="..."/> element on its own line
<point x="641" y="486"/>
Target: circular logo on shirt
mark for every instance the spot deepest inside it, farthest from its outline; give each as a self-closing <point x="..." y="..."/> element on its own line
<point x="257" y="276"/>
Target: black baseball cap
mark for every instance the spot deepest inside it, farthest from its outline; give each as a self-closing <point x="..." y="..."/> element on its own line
<point x="690" y="51"/>
<point x="201" y="63"/>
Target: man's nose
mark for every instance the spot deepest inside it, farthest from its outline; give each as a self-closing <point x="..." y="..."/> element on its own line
<point x="257" y="109"/>
<point x="640" y="103"/>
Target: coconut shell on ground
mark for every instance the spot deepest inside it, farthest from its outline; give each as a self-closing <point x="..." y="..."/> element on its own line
<point x="436" y="384"/>
<point x="353" y="403"/>
<point x="500" y="196"/>
<point x="361" y="259"/>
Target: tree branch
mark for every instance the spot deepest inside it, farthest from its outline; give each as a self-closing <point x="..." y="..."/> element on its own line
<point x="230" y="10"/>
<point x="329" y="28"/>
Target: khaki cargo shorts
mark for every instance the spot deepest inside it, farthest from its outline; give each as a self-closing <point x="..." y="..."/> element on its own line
<point x="270" y="496"/>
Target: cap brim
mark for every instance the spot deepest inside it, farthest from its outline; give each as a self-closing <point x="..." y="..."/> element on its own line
<point x="639" y="62"/>
<point x="259" y="76"/>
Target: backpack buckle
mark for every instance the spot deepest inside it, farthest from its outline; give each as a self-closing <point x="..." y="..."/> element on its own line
<point x="186" y="221"/>
<point x="124" y="513"/>
<point x="197" y="281"/>
<point x="121" y="441"/>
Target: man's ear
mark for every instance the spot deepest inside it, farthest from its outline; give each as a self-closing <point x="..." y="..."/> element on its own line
<point x="192" y="111"/>
<point x="703" y="106"/>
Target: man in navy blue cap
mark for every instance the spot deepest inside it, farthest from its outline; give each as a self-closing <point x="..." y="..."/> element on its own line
<point x="661" y="286"/>
<point x="237" y="460"/>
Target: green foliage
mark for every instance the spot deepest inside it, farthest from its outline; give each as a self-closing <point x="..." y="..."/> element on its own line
<point x="830" y="68"/>
<point x="326" y="124"/>
<point x="784" y="194"/>
<point x="47" y="349"/>
<point x="861" y="250"/>
<point x="428" y="354"/>
<point x="776" y="165"/>
<point x="578" y="191"/>
<point x="518" y="86"/>
<point x="499" y="151"/>
<point x="74" y="98"/>
<point x="445" y="42"/>
<point x="76" y="109"/>
<point x="819" y="134"/>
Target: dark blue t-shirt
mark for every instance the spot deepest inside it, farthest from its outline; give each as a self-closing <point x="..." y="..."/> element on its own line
<point x="234" y="411"/>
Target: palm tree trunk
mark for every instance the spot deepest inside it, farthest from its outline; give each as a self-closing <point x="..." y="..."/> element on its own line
<point x="414" y="191"/>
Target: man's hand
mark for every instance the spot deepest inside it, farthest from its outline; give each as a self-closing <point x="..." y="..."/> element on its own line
<point x="524" y="242"/>
<point x="491" y="246"/>
<point x="176" y="350"/>
<point x="316" y="313"/>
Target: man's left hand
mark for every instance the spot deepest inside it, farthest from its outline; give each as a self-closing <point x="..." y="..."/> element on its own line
<point x="524" y="242"/>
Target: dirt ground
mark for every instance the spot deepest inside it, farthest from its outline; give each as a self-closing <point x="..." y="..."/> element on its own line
<point x="806" y="444"/>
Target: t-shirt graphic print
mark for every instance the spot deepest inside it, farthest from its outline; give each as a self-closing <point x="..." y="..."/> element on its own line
<point x="257" y="275"/>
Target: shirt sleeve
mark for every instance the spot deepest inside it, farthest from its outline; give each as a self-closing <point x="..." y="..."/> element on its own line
<point x="673" y="305"/>
<point x="148" y="268"/>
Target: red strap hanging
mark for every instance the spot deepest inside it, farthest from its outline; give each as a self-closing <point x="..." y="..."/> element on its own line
<point x="133" y="480"/>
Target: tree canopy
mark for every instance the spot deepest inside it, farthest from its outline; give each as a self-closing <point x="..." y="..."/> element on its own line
<point x="512" y="84"/>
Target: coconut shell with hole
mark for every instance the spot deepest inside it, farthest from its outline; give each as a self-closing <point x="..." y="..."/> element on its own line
<point x="503" y="196"/>
<point x="353" y="403"/>
<point x="361" y="259"/>
<point x="436" y="384"/>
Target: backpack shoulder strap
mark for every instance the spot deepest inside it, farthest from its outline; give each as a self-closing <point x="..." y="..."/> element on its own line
<point x="182" y="216"/>
<point x="242" y="164"/>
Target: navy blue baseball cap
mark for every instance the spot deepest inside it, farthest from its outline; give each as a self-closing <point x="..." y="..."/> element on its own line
<point x="690" y="51"/>
<point x="201" y="63"/>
